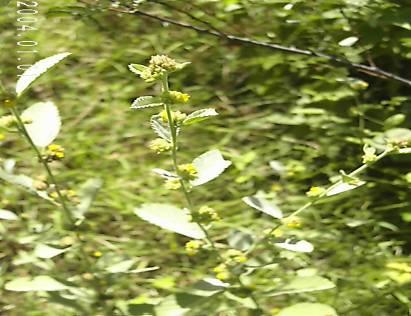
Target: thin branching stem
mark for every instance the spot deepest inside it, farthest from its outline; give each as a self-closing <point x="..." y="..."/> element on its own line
<point x="174" y="144"/>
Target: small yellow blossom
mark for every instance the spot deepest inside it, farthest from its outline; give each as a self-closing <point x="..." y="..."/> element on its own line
<point x="54" y="152"/>
<point x="159" y="145"/>
<point x="187" y="171"/>
<point x="172" y="184"/>
<point x="206" y="215"/>
<point x="6" y="121"/>
<point x="193" y="247"/>
<point x="358" y="84"/>
<point x="315" y="191"/>
<point x="177" y="97"/>
<point x="2" y="137"/>
<point x="293" y="222"/>
<point x="97" y="254"/>
<point x="235" y="256"/>
<point x="176" y="116"/>
<point x="223" y="276"/>
<point x="369" y="154"/>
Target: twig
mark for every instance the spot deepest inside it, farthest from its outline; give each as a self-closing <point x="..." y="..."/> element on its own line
<point x="369" y="70"/>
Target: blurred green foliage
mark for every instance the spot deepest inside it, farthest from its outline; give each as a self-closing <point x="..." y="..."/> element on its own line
<point x="304" y="113"/>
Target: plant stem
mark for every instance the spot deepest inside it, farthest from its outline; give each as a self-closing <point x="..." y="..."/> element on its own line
<point x="66" y="211"/>
<point x="173" y="131"/>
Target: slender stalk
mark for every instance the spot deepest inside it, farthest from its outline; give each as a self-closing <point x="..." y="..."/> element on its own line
<point x="173" y="131"/>
<point x="66" y="211"/>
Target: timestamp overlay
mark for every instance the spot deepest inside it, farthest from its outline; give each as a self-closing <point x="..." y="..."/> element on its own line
<point x="27" y="21"/>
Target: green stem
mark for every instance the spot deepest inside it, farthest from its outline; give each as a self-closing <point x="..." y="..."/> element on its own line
<point x="67" y="213"/>
<point x="174" y="144"/>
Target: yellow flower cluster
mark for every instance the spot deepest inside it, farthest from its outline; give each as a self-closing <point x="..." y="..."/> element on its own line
<point x="54" y="152"/>
<point x="193" y="247"/>
<point x="369" y="155"/>
<point x="222" y="272"/>
<point x="176" y="116"/>
<point x="6" y="121"/>
<point x="176" y="97"/>
<point x="158" y="66"/>
<point x="293" y="222"/>
<point x="172" y="184"/>
<point x="187" y="171"/>
<point x="68" y="194"/>
<point x="315" y="191"/>
<point x="159" y="145"/>
<point x="232" y="257"/>
<point x="206" y="215"/>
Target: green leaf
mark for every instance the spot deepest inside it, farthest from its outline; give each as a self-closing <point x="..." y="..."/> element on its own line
<point x="263" y="205"/>
<point x="303" y="284"/>
<point x="25" y="182"/>
<point x="146" y="102"/>
<point x="38" y="283"/>
<point x="300" y="246"/>
<point x="394" y="120"/>
<point x="87" y="195"/>
<point x="8" y="215"/>
<point x="308" y="309"/>
<point x="199" y="116"/>
<point x="209" y="166"/>
<point x="137" y="68"/>
<point x="161" y="130"/>
<point x="170" y="307"/>
<point x="349" y="41"/>
<point x="171" y="218"/>
<point x="344" y="187"/>
<point x="44" y="251"/>
<point x="36" y="70"/>
<point x="208" y="287"/>
<point x="44" y="123"/>
<point x="121" y="267"/>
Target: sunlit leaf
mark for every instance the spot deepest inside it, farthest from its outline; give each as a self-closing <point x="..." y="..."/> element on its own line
<point x="349" y="41"/>
<point x="344" y="187"/>
<point x="300" y="246"/>
<point x="146" y="102"/>
<point x="44" y="123"/>
<point x="308" y="309"/>
<point x="38" y="283"/>
<point x="44" y="251"/>
<point x="8" y="215"/>
<point x="263" y="205"/>
<point x="303" y="284"/>
<point x="199" y="116"/>
<point x="209" y="166"/>
<point x="171" y="218"/>
<point x="161" y="130"/>
<point x="36" y="70"/>
<point x="122" y="266"/>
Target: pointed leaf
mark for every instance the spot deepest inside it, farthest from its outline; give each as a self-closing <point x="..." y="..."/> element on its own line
<point x="308" y="309"/>
<point x="38" y="283"/>
<point x="199" y="116"/>
<point x="44" y="251"/>
<point x="161" y="130"/>
<point x="303" y="284"/>
<point x="209" y="166"/>
<point x="137" y="68"/>
<point x="344" y="187"/>
<point x="121" y="267"/>
<point x="146" y="102"/>
<point x="171" y="218"/>
<point x="264" y="206"/>
<point x="8" y="215"/>
<point x="300" y="246"/>
<point x="36" y="70"/>
<point x="45" y="123"/>
<point x="349" y="41"/>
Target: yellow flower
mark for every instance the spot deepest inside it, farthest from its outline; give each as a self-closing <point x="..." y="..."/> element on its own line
<point x="54" y="152"/>
<point x="235" y="256"/>
<point x="6" y="121"/>
<point x="2" y="137"/>
<point x="177" y="97"/>
<point x="176" y="116"/>
<point x="315" y="191"/>
<point x="206" y="215"/>
<point x="369" y="154"/>
<point x="223" y="276"/>
<point x="293" y="222"/>
<point x="187" y="171"/>
<point x="172" y="184"/>
<point x="159" y="145"/>
<point x="97" y="254"/>
<point x="193" y="247"/>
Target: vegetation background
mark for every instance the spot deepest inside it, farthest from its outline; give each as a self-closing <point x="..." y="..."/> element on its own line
<point x="302" y="112"/>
